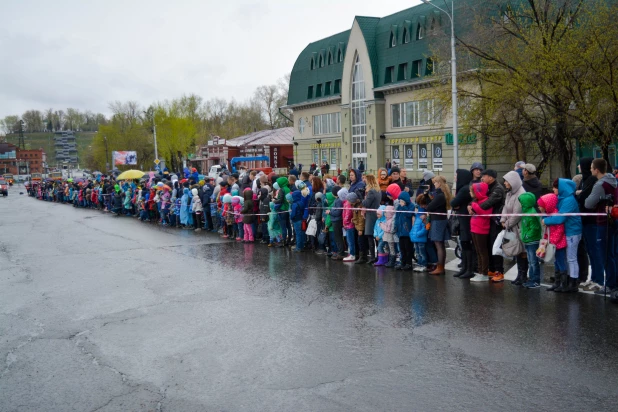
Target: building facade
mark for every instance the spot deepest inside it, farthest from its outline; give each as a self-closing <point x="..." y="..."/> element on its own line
<point x="66" y="148"/>
<point x="277" y="144"/>
<point x="21" y="162"/>
<point x="366" y="95"/>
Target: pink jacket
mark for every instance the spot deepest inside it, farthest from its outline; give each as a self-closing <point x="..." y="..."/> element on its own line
<point x="480" y="224"/>
<point x="348" y="214"/>
<point x="557" y="236"/>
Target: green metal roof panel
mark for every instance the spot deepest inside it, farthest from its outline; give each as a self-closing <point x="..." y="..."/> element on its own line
<point x="302" y="76"/>
<point x="368" y="26"/>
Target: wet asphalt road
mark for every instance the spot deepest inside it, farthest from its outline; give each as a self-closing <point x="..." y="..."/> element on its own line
<point x="108" y="314"/>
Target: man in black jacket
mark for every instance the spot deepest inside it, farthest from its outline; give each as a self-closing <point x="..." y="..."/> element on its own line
<point x="495" y="201"/>
<point x="532" y="183"/>
<point x="589" y="224"/>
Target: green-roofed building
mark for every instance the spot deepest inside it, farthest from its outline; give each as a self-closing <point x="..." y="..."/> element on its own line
<point x="365" y="95"/>
<point x="362" y="96"/>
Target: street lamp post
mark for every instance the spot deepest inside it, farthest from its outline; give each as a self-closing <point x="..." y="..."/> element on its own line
<point x="451" y="16"/>
<point x="107" y="169"/>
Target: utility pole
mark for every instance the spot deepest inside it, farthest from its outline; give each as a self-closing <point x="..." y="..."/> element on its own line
<point x="106" y="155"/>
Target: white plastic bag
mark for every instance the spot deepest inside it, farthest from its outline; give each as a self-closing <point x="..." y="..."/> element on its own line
<point x="497" y="248"/>
<point x="312" y="228"/>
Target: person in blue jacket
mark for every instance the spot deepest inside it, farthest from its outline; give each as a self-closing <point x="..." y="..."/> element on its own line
<point x="378" y="235"/>
<point x="567" y="203"/>
<point x="296" y="216"/>
<point x="418" y="236"/>
<point x="403" y="223"/>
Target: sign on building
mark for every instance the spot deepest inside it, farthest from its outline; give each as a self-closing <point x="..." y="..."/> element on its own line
<point x="409" y="156"/>
<point x="422" y="156"/>
<point x="124" y="158"/>
<point x="395" y="155"/>
<point x="274" y="156"/>
<point x="437" y="156"/>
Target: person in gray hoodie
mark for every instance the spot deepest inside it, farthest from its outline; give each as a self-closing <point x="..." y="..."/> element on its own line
<point x="602" y="196"/>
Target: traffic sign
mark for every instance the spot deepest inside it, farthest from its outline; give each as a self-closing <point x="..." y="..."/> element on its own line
<point x="157" y="161"/>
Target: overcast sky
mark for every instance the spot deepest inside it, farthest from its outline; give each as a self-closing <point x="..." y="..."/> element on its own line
<point x="85" y="54"/>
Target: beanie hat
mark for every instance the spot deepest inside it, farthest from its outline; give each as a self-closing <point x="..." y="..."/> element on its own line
<point x="428" y="175"/>
<point x="530" y="168"/>
<point x="352" y="198"/>
<point x="289" y="198"/>
<point x="227" y="198"/>
<point x="395" y="170"/>
<point x="476" y="165"/>
<point x="343" y="194"/>
<point x="318" y="196"/>
<point x="194" y="191"/>
<point x="491" y="173"/>
<point x="335" y="191"/>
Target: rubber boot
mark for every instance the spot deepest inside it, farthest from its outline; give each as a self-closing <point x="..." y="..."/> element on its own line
<point x="522" y="276"/>
<point x="362" y="258"/>
<point x="572" y="285"/>
<point x="463" y="266"/>
<point x="471" y="265"/>
<point x="372" y="255"/>
<point x="556" y="282"/>
<point x="564" y="279"/>
<point x="382" y="259"/>
<point x="391" y="261"/>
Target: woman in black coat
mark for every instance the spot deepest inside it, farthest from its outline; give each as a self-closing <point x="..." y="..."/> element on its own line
<point x="460" y="206"/>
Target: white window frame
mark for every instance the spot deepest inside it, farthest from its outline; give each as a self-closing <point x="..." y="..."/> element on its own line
<point x="329" y="123"/>
<point x="359" y="115"/>
<point x="419" y="32"/>
<point x="393" y="40"/>
<point x="414" y="114"/>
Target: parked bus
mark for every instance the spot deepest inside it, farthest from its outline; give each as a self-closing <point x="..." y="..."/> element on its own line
<point x="55" y="175"/>
<point x="36" y="177"/>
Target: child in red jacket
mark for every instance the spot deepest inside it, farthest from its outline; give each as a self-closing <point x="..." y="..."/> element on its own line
<point x="549" y="204"/>
<point x="479" y="226"/>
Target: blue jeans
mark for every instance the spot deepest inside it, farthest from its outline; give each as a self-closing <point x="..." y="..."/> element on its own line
<point x="241" y="230"/>
<point x="286" y="228"/>
<point x="594" y="253"/>
<point x="534" y="268"/>
<point x="350" y="237"/>
<point x="561" y="260"/>
<point x="381" y="245"/>
<point x="572" y="246"/>
<point x="300" y="235"/>
<point x="421" y="253"/>
<point x="607" y="251"/>
<point x="265" y="236"/>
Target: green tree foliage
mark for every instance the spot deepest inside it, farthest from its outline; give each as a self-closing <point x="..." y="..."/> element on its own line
<point x="539" y="76"/>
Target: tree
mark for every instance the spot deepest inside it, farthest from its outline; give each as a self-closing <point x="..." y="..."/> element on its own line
<point x="10" y="124"/>
<point x="516" y="91"/>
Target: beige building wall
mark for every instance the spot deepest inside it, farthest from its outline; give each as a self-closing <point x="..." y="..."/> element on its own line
<point x="330" y="144"/>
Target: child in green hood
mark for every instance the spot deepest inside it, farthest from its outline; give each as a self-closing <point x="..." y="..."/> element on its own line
<point x="531" y="233"/>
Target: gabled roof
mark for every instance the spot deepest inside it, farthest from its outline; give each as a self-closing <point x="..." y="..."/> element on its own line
<point x="264" y="137"/>
<point x="302" y="76"/>
<point x="376" y="32"/>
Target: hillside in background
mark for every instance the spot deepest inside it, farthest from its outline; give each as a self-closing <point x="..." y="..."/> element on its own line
<point x="46" y="142"/>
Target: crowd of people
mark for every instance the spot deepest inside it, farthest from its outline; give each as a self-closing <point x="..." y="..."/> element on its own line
<point x="388" y="220"/>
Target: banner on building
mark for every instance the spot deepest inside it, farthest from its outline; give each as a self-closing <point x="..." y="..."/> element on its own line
<point x="409" y="156"/>
<point x="395" y="155"/>
<point x="437" y="156"/>
<point x="124" y="158"/>
<point x="422" y="156"/>
<point x="274" y="156"/>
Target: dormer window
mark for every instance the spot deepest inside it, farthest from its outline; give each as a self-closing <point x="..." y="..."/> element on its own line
<point x="419" y="32"/>
<point x="312" y="64"/>
<point x="340" y="56"/>
<point x="406" y="36"/>
<point x="393" y="41"/>
<point x="321" y="61"/>
<point x="330" y="58"/>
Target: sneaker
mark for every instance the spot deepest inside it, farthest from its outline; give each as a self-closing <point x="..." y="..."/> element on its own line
<point x="491" y="274"/>
<point x="479" y="278"/>
<point x="238" y="239"/>
<point x="584" y="284"/>
<point x="419" y="268"/>
<point x="593" y="287"/>
<point x="198" y="230"/>
<point x="337" y="256"/>
<point x="497" y="278"/>
<point x="349" y="258"/>
<point x="531" y="285"/>
<point x="603" y="291"/>
<point x="320" y="252"/>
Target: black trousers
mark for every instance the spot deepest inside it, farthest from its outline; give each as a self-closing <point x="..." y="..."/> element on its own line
<point x="407" y="250"/>
<point x="496" y="263"/>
